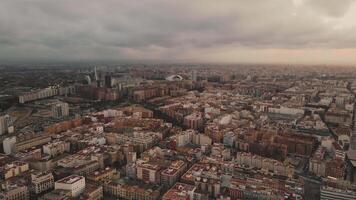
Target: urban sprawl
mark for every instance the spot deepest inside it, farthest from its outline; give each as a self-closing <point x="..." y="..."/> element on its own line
<point x="177" y="132"/>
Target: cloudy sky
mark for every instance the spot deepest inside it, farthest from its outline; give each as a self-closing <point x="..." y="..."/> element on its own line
<point x="228" y="31"/>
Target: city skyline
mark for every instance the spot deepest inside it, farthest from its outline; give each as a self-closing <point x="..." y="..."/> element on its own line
<point x="276" y="31"/>
<point x="177" y="100"/>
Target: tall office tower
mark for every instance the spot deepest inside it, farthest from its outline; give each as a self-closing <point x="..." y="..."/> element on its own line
<point x="6" y="124"/>
<point x="194" y="75"/>
<point x="88" y="79"/>
<point x="108" y="82"/>
<point x="60" y="110"/>
<point x="98" y="83"/>
<point x="95" y="74"/>
<point x="97" y="78"/>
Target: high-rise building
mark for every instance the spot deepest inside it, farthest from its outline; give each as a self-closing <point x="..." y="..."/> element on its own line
<point x="194" y="121"/>
<point x="97" y="78"/>
<point x="96" y="74"/>
<point x="88" y="79"/>
<point x="194" y="75"/>
<point x="108" y="81"/>
<point x="98" y="83"/>
<point x="60" y="110"/>
<point x="9" y="145"/>
<point x="38" y="94"/>
<point x="6" y="124"/>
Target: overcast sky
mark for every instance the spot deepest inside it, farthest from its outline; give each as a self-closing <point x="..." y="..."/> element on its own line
<point x="256" y="31"/>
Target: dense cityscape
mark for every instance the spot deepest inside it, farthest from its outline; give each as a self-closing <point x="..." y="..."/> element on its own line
<point x="196" y="132"/>
<point x="177" y="100"/>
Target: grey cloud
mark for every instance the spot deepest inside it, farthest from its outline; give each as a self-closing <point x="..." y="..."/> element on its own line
<point x="331" y="8"/>
<point x="160" y="29"/>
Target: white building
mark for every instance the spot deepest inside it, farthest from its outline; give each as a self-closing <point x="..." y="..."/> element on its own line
<point x="56" y="148"/>
<point x="174" y="78"/>
<point x="38" y="94"/>
<point x="112" y="113"/>
<point x="286" y="110"/>
<point x="9" y="145"/>
<point x="73" y="183"/>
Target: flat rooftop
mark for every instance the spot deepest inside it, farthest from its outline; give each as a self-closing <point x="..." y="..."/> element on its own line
<point x="70" y="179"/>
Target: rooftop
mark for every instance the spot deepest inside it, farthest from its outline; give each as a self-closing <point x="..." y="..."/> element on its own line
<point x="70" y="179"/>
<point x="180" y="191"/>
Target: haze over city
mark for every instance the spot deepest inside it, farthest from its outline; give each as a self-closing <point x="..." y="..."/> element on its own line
<point x="203" y="31"/>
<point x="178" y="100"/>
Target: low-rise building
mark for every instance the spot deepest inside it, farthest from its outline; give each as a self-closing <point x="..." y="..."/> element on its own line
<point x="86" y="168"/>
<point x="41" y="182"/>
<point x="92" y="192"/>
<point x="171" y="175"/>
<point x="14" y="191"/>
<point x="13" y="169"/>
<point x="104" y="175"/>
<point x="56" y="148"/>
<point x="126" y="189"/>
<point x="336" y="189"/>
<point x="73" y="183"/>
<point x="180" y="191"/>
<point x="57" y="195"/>
<point x="148" y="172"/>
